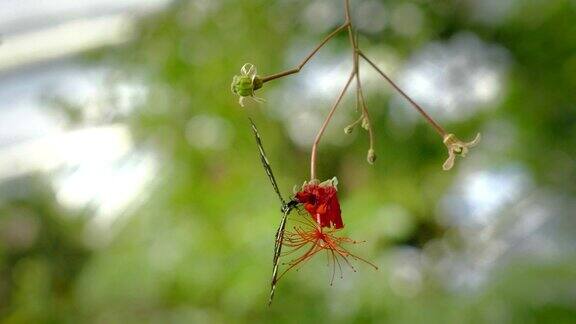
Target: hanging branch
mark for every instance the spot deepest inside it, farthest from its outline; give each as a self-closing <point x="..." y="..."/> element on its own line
<point x="245" y="85"/>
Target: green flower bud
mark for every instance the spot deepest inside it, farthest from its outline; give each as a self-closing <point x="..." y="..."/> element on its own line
<point x="371" y="157"/>
<point x="348" y="129"/>
<point x="246" y="83"/>
<point x="365" y="123"/>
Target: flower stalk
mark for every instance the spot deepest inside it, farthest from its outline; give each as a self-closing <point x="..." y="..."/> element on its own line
<point x="314" y="152"/>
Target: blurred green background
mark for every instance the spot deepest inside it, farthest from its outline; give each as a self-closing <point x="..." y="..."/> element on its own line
<point x="131" y="189"/>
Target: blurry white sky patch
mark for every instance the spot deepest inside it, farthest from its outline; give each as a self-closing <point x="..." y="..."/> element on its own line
<point x="73" y="148"/>
<point x="63" y="40"/>
<point x="18" y="16"/>
<point x="93" y="167"/>
<point x="453" y="80"/>
<point x="41" y="30"/>
<point x="543" y="225"/>
<point x="13" y="129"/>
<point x="24" y="113"/>
<point x="538" y="225"/>
<point x="479" y="197"/>
<point x="304" y="101"/>
<point x="107" y="175"/>
<point x="110" y="188"/>
<point x="326" y="80"/>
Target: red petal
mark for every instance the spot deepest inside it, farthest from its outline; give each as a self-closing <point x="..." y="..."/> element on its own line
<point x="322" y="204"/>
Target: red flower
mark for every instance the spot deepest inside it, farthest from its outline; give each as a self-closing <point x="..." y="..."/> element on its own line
<point x="311" y="239"/>
<point x="321" y="201"/>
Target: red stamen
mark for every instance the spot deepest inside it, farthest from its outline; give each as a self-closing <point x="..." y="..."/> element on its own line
<point x="313" y="235"/>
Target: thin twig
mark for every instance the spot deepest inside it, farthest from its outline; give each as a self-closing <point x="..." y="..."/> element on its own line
<point x="360" y="101"/>
<point x="431" y="121"/>
<point x="324" y="125"/>
<point x="308" y="57"/>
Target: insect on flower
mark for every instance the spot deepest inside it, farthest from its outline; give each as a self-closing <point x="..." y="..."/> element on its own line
<point x="318" y="232"/>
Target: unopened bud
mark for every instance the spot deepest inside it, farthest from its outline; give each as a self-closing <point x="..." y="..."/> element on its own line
<point x="246" y="83"/>
<point x="365" y="123"/>
<point x="371" y="157"/>
<point x="348" y="129"/>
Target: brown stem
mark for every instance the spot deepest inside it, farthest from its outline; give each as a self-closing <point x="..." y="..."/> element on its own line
<point x="360" y="101"/>
<point x="431" y="121"/>
<point x="308" y="57"/>
<point x="324" y="125"/>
